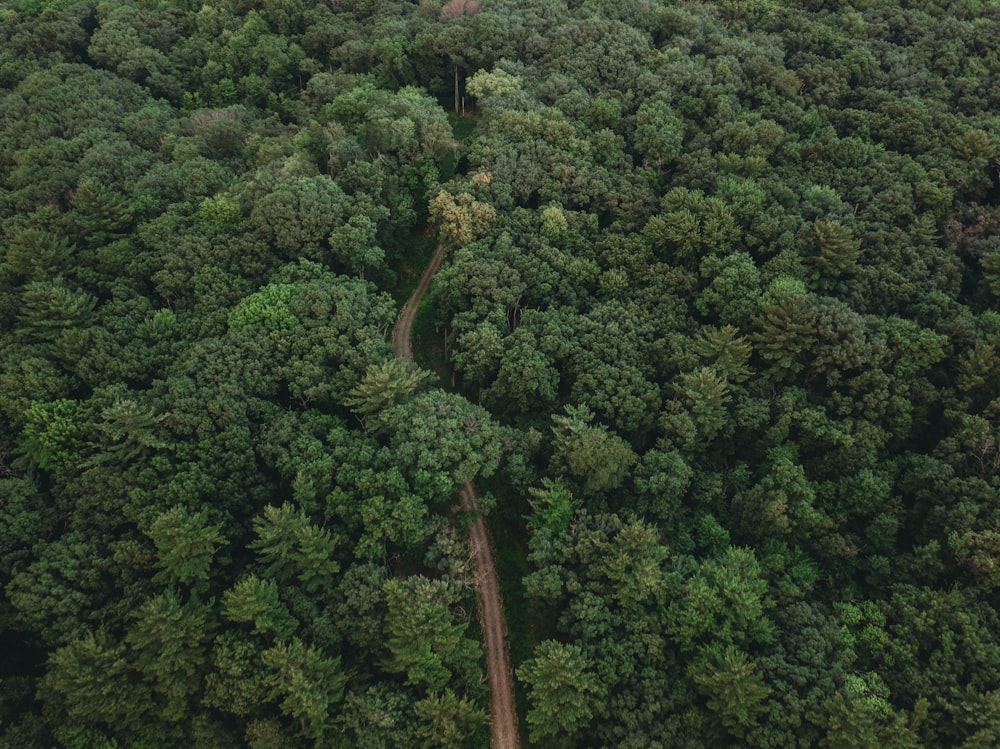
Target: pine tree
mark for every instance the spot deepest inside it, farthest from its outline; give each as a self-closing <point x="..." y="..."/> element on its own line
<point x="308" y="683"/>
<point x="385" y="384"/>
<point x="786" y="333"/>
<point x="589" y="453"/>
<point x="734" y="686"/>
<point x="294" y="549"/>
<point x="168" y="642"/>
<point x="447" y="720"/>
<point x="185" y="546"/>
<point x="93" y="677"/>
<point x="562" y="692"/>
<point x="836" y="252"/>
<point x="48" y="308"/>
<point x="422" y="640"/>
<point x="726" y="352"/>
<point x="255" y="600"/>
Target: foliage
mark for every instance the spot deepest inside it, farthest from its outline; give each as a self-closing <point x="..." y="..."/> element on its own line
<point x="720" y="303"/>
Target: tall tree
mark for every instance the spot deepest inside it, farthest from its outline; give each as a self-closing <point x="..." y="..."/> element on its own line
<point x="562" y="692"/>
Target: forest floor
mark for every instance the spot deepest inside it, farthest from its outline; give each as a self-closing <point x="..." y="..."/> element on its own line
<point x="504" y="732"/>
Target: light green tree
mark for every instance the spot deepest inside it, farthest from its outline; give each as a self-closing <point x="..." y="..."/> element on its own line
<point x="562" y="693"/>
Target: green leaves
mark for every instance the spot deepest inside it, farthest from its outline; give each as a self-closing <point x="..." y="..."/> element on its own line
<point x="168" y="641"/>
<point x="460" y="219"/>
<point x="734" y="687"/>
<point x="185" y="545"/>
<point x="422" y="640"/>
<point x="298" y="215"/>
<point x="588" y="453"/>
<point x="659" y="133"/>
<point x="562" y="692"/>
<point x="267" y="308"/>
<point x="294" y="550"/>
<point x="443" y="433"/>
<point x="50" y="308"/>
<point x="786" y="333"/>
<point x="51" y="434"/>
<point x="482" y="84"/>
<point x="449" y="721"/>
<point x="835" y="252"/>
<point x="724" y="601"/>
<point x="97" y="683"/>
<point x="255" y="600"/>
<point x="385" y="384"/>
<point x="308" y="683"/>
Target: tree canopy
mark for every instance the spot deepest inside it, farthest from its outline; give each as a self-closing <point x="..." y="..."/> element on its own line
<point x="717" y="331"/>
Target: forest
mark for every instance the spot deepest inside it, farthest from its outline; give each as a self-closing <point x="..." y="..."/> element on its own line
<point x="716" y="334"/>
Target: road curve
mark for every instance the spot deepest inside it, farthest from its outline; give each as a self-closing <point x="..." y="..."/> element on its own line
<point x="504" y="732"/>
<point x="403" y="329"/>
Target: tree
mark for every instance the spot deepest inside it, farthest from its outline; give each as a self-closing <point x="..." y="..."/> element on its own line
<point x="267" y="308"/>
<point x="562" y="693"/>
<point x="782" y="502"/>
<point x="309" y="684"/>
<point x="855" y="717"/>
<point x="460" y="219"/>
<point x="354" y="245"/>
<point x="449" y="721"/>
<point x="255" y="600"/>
<point x="37" y="253"/>
<point x="659" y="133"/>
<point x="734" y="686"/>
<point x="527" y="380"/>
<point x="725" y="601"/>
<point x="701" y="405"/>
<point x="478" y="353"/>
<point x="726" y="352"/>
<point x="295" y="550"/>
<point x="168" y="643"/>
<point x="237" y="681"/>
<point x="440" y="432"/>
<point x="422" y="640"/>
<point x="498" y="82"/>
<point x="662" y="479"/>
<point x="299" y="215"/>
<point x="51" y="435"/>
<point x="588" y="453"/>
<point x="384" y="385"/>
<point x="130" y="431"/>
<point x="786" y="333"/>
<point x="185" y="546"/>
<point x="378" y="717"/>
<point x="98" y="685"/>
<point x="834" y="252"/>
<point x="732" y="290"/>
<point x="50" y="308"/>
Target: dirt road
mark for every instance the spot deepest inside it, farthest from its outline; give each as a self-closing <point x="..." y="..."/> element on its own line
<point x="504" y="733"/>
<point x="493" y="623"/>
<point x="402" y="331"/>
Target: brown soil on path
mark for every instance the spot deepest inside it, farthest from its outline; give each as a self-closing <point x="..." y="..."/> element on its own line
<point x="401" y="333"/>
<point x="504" y="732"/>
<point x="493" y="623"/>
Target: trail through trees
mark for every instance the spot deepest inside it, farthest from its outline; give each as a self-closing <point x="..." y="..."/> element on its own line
<point x="492" y="621"/>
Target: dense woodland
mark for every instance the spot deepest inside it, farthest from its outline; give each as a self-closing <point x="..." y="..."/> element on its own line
<point x="717" y="335"/>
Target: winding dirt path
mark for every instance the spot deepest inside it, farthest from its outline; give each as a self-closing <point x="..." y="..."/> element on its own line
<point x="504" y="733"/>
<point x="401" y="332"/>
